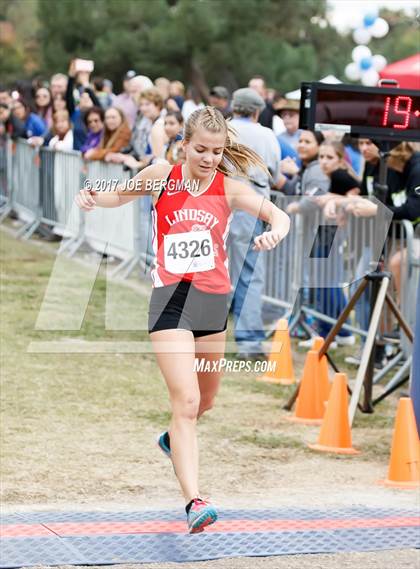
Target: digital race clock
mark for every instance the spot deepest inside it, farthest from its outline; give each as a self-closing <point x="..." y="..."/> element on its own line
<point x="373" y="112"/>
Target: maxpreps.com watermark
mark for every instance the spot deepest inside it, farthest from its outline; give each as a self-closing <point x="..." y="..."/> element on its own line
<point x="229" y="366"/>
<point x="133" y="185"/>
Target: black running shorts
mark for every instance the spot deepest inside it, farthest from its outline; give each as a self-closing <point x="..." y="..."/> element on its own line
<point x="182" y="306"/>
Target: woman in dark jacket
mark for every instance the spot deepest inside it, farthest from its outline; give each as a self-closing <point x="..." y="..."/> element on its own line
<point x="78" y="109"/>
<point x="405" y="203"/>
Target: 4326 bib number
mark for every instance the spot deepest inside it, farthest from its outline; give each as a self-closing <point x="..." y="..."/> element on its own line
<point x="189" y="252"/>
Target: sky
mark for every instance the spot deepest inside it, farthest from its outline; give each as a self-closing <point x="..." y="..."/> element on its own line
<point x="344" y="13"/>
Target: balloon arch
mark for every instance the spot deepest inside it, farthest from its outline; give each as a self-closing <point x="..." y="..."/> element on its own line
<point x="365" y="66"/>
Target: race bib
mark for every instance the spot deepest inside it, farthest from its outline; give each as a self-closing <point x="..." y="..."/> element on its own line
<point x="190" y="252"/>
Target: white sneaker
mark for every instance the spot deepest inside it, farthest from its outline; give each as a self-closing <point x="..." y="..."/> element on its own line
<point x="354" y="360"/>
<point x="346" y="340"/>
<point x="307" y="344"/>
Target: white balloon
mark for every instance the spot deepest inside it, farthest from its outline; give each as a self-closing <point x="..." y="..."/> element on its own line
<point x="370" y="78"/>
<point x="361" y="36"/>
<point x="380" y="28"/>
<point x="352" y="71"/>
<point x="360" y="52"/>
<point x="373" y="11"/>
<point x="354" y="19"/>
<point x="378" y="62"/>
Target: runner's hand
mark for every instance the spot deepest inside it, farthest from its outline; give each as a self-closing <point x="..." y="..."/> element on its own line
<point x="267" y="240"/>
<point x="85" y="199"/>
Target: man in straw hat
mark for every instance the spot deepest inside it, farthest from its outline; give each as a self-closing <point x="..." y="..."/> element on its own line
<point x="288" y="111"/>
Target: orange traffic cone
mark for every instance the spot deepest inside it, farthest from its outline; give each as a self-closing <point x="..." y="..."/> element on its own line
<point x="404" y="465"/>
<point x="281" y="356"/>
<point x="335" y="433"/>
<point x="323" y="369"/>
<point x="310" y="405"/>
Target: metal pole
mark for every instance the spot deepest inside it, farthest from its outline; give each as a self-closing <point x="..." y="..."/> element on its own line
<point x="323" y="351"/>
<point x="373" y="326"/>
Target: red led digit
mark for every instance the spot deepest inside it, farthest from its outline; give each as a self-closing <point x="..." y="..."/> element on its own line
<point x="386" y="112"/>
<point x="405" y="111"/>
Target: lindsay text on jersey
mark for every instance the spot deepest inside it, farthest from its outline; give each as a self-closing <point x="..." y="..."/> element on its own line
<point x="193" y="215"/>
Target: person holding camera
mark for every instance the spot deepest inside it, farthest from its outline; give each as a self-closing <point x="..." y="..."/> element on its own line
<point x="80" y="97"/>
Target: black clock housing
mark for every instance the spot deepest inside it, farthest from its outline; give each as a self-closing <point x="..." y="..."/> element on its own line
<point x="380" y="113"/>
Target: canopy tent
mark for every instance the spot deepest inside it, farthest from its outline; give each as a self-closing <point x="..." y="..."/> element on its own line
<point x="406" y="72"/>
<point x="328" y="79"/>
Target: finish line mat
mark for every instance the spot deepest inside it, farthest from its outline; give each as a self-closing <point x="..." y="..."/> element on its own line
<point x="106" y="538"/>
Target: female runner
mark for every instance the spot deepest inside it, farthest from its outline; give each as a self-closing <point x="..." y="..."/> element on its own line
<point x="188" y="309"/>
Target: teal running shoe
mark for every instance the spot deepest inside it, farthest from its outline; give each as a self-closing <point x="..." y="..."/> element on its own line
<point x="164" y="443"/>
<point x="200" y="515"/>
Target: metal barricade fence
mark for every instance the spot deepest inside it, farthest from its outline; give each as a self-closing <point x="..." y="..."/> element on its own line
<point x="299" y="277"/>
<point x="25" y="187"/>
<point x="45" y="183"/>
<point x="5" y="170"/>
<point x="126" y="232"/>
<point x="310" y="271"/>
<point x="402" y="256"/>
<point x="112" y="229"/>
<point x="283" y="267"/>
<point x="60" y="181"/>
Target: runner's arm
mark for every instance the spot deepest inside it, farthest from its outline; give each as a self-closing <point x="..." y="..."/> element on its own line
<point x="145" y="183"/>
<point x="241" y="196"/>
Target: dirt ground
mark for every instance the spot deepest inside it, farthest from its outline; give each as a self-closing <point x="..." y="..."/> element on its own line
<point x="403" y="559"/>
<point x="79" y="430"/>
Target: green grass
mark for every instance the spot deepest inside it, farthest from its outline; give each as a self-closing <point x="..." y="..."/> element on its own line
<point x="381" y="418"/>
<point x="282" y="392"/>
<point x="82" y="426"/>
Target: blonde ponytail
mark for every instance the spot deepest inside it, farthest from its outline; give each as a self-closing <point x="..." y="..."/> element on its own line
<point x="237" y="158"/>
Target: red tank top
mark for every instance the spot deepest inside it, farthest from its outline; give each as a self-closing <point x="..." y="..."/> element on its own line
<point x="189" y="235"/>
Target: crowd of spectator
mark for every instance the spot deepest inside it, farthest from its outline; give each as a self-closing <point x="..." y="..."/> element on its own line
<point x="144" y="124"/>
<point x="28" y="109"/>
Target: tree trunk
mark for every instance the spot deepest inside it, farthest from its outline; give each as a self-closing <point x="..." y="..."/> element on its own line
<point x="198" y="80"/>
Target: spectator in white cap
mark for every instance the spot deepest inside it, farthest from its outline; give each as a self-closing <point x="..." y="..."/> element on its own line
<point x="246" y="266"/>
<point x="128" y="100"/>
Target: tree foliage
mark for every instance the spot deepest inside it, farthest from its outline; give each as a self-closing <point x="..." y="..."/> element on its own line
<point x="204" y="42"/>
<point x="18" y="58"/>
<point x="403" y="38"/>
<point x="219" y="41"/>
